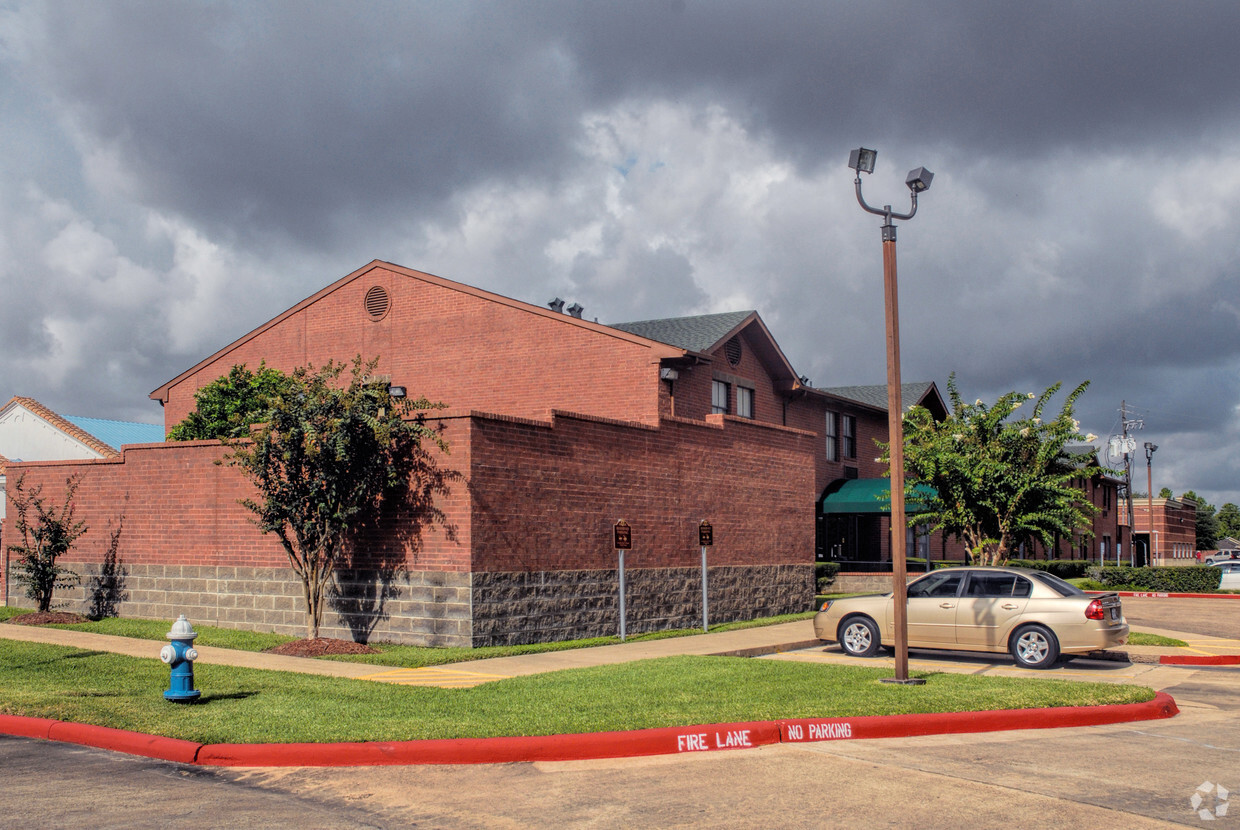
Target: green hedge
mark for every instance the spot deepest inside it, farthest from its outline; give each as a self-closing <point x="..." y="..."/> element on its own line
<point x="1062" y="568"/>
<point x="1195" y="579"/>
<point x="824" y="575"/>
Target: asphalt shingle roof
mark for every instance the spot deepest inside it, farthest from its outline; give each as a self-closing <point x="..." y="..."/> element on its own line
<point x="876" y="396"/>
<point x="697" y="334"/>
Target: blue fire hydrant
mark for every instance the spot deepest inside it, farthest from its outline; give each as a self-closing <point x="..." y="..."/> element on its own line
<point x="180" y="655"/>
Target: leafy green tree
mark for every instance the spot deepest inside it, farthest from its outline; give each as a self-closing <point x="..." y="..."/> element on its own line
<point x="1165" y="493"/>
<point x="325" y="459"/>
<point x="228" y="406"/>
<point x="1000" y="480"/>
<point x="1207" y="522"/>
<point x="1229" y="520"/>
<point x="47" y="533"/>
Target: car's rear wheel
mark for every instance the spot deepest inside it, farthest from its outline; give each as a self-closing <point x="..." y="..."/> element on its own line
<point x="1035" y="647"/>
<point x="859" y="636"/>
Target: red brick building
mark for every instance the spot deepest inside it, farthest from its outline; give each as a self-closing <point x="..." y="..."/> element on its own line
<point x="558" y="427"/>
<point x="1174" y="529"/>
<point x="1108" y="539"/>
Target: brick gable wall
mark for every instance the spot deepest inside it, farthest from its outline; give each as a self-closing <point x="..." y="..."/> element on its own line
<point x="455" y="346"/>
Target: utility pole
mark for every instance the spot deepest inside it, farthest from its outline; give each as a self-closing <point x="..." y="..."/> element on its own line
<point x="1130" y="446"/>
<point x="1132" y="522"/>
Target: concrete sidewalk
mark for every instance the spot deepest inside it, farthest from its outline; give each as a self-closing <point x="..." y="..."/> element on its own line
<point x="749" y="642"/>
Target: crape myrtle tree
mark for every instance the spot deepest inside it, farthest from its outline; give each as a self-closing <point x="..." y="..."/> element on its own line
<point x="46" y="533"/>
<point x="228" y="406"/>
<point x="324" y="458"/>
<point x="1000" y="480"/>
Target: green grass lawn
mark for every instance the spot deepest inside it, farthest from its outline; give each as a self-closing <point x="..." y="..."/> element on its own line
<point x="1138" y="638"/>
<point x="389" y="654"/>
<point x="246" y="706"/>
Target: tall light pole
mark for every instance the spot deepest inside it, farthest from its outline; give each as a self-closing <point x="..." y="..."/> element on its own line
<point x="1149" y="476"/>
<point x="862" y="161"/>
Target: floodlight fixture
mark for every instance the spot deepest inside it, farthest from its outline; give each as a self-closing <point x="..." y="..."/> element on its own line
<point x="862" y="160"/>
<point x="919" y="180"/>
<point x="397" y="391"/>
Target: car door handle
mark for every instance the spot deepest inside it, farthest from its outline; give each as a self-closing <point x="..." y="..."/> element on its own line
<point x="947" y="605"/>
<point x="1007" y="606"/>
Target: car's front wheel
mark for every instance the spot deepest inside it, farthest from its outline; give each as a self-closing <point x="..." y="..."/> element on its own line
<point x="1035" y="647"/>
<point x="859" y="636"/>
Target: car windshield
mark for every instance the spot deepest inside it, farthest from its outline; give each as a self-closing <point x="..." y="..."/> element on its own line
<point x="1064" y="589"/>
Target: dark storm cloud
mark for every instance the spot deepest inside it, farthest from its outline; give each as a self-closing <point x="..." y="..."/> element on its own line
<point x="300" y="119"/>
<point x="175" y="173"/>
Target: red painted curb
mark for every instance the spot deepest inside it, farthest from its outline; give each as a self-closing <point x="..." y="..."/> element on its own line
<point x="903" y="726"/>
<point x="668" y="741"/>
<point x="1168" y="595"/>
<point x="120" y="740"/>
<point x="1210" y="660"/>
<point x="26" y="727"/>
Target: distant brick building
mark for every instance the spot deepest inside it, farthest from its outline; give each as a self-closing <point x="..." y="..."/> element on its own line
<point x="558" y="427"/>
<point x="1174" y="529"/>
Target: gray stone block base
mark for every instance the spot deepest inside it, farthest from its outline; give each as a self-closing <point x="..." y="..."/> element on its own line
<point x="417" y="608"/>
<point x="549" y="606"/>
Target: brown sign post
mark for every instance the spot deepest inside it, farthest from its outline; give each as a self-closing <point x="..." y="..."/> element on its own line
<point x="706" y="538"/>
<point x="623" y="537"/>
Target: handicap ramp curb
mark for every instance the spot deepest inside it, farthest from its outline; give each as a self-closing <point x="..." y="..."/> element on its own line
<point x="641" y="742"/>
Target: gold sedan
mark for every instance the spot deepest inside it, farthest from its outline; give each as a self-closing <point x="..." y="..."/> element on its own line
<point x="1034" y="615"/>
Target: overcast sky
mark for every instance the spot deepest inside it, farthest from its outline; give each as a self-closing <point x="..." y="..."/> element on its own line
<point x="173" y="174"/>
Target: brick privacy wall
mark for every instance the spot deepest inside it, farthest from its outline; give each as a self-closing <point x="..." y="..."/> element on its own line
<point x="453" y="345"/>
<point x="546" y="497"/>
<point x="187" y="546"/>
<point x="536" y="498"/>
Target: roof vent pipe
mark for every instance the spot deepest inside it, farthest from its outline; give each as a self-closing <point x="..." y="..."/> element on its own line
<point x="556" y="305"/>
<point x="575" y="310"/>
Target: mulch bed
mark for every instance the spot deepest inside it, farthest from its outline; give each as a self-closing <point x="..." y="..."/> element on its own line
<point x="321" y="646"/>
<point x="48" y="618"/>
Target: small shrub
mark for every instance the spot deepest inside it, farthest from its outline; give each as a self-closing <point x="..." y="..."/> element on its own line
<point x="1062" y="568"/>
<point x="824" y="575"/>
<point x="46" y="534"/>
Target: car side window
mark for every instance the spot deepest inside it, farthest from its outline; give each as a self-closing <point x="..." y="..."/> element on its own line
<point x="943" y="584"/>
<point x="990" y="585"/>
<point x="998" y="585"/>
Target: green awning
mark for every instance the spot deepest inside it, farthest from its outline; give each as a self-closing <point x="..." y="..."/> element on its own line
<point x="870" y="495"/>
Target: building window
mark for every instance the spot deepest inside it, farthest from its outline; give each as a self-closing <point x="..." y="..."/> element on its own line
<point x="917" y="541"/>
<point x="850" y="436"/>
<point x="833" y="437"/>
<point x="744" y="402"/>
<point x="718" y="397"/>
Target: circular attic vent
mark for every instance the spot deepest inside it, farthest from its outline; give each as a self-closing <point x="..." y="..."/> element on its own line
<point x="377" y="302"/>
<point x="732" y="349"/>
